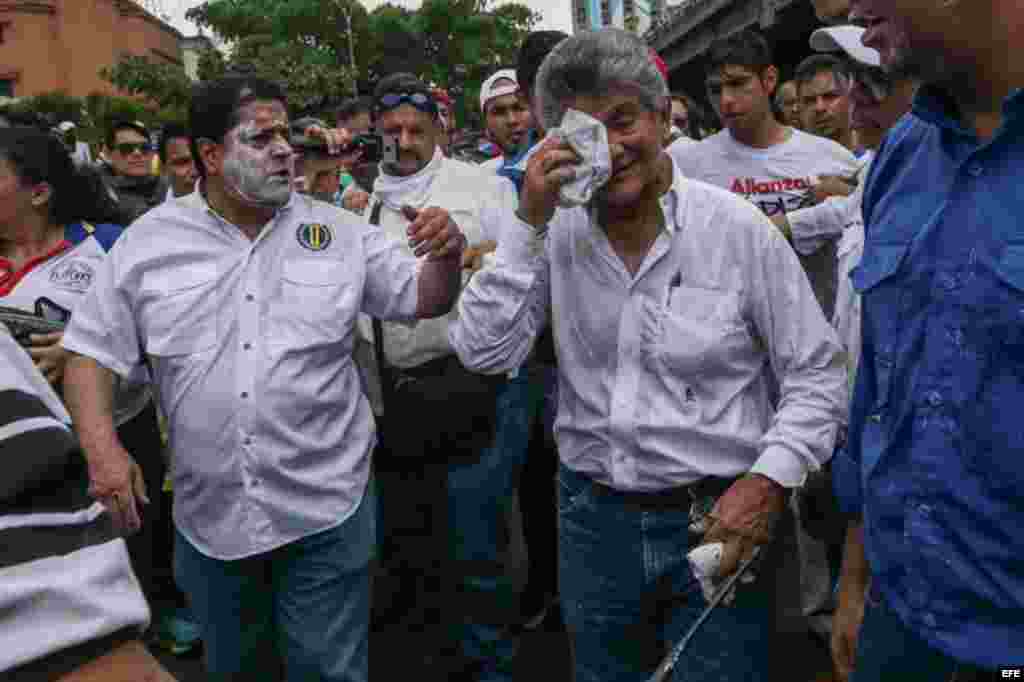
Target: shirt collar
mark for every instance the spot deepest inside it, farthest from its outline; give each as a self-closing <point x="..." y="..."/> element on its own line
<point x="934" y="105"/>
<point x="198" y="200"/>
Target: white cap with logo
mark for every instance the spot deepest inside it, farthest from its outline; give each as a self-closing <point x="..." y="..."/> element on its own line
<point x="492" y="87"/>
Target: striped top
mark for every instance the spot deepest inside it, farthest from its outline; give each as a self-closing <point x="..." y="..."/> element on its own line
<point x="66" y="584"/>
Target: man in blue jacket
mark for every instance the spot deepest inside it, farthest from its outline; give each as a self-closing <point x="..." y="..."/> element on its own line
<point x="933" y="470"/>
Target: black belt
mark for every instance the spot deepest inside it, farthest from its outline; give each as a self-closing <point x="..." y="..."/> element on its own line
<point x="677" y="498"/>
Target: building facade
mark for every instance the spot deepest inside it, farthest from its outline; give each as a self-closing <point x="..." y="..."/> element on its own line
<point x="684" y="33"/>
<point x="49" y="45"/>
<point x="633" y="15"/>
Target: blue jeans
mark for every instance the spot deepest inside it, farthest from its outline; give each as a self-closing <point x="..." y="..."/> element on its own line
<point x="889" y="652"/>
<point x="479" y="495"/>
<point x="306" y="604"/>
<point x="628" y="594"/>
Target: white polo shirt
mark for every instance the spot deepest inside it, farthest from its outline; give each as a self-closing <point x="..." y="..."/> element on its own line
<point x="251" y="347"/>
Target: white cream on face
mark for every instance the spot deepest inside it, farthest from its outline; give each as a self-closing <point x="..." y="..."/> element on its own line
<point x="259" y="164"/>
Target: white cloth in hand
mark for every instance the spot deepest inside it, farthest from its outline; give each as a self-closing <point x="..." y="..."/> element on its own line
<point x="589" y="138"/>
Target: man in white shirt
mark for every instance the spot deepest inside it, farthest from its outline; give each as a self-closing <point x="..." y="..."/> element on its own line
<point x="507" y="119"/>
<point x="242" y="297"/>
<point x="461" y="480"/>
<point x="676" y="308"/>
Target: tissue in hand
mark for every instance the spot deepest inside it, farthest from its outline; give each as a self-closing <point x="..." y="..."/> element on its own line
<point x="589" y="138"/>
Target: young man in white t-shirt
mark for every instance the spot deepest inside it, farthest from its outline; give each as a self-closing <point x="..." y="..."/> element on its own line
<point x="776" y="167"/>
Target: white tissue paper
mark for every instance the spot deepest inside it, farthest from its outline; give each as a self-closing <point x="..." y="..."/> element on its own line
<point x="588" y="138"/>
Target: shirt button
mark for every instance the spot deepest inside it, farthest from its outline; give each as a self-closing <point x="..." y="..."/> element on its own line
<point x="247" y="441"/>
<point x="250" y="297"/>
<point x="244" y="394"/>
<point x="247" y="346"/>
<point x="976" y="169"/>
<point x="935" y="399"/>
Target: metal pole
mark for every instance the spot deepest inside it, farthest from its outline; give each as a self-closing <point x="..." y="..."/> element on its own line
<point x="351" y="48"/>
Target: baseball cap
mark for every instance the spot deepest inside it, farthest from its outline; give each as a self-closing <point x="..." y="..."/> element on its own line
<point x="491" y="89"/>
<point x="66" y="126"/>
<point x="845" y="39"/>
<point x="137" y="126"/>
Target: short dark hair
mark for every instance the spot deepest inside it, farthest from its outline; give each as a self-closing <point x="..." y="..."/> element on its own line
<point x="398" y="83"/>
<point x="353" y="107"/>
<point x="77" y="193"/>
<point x="124" y="124"/>
<point x="216" y="104"/>
<point x="823" y="63"/>
<point x="170" y="132"/>
<point x="747" y="49"/>
<point x="532" y="52"/>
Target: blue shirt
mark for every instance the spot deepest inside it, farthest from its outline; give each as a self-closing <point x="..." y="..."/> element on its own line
<point x="935" y="461"/>
<point x="509" y="166"/>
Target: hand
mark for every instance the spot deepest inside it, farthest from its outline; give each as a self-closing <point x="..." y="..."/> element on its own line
<point x="473" y="256"/>
<point x="356" y="201"/>
<point x="338" y="141"/>
<point x="846" y="624"/>
<point x="116" y="482"/>
<point x="49" y="356"/>
<point x="547" y="171"/>
<point x="744" y="518"/>
<point x="432" y="231"/>
<point x="832" y="186"/>
<point x="782" y="223"/>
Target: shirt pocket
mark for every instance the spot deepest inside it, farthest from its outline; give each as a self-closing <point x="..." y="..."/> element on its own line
<point x="181" y="314"/>
<point x="702" y="331"/>
<point x="317" y="303"/>
<point x="875" y="280"/>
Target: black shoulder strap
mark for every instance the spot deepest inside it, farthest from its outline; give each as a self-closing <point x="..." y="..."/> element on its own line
<point x="386" y="385"/>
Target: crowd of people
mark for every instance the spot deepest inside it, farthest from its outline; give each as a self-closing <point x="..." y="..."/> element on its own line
<point x="734" y="380"/>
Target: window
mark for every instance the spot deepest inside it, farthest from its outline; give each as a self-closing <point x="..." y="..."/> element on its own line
<point x="628" y="8"/>
<point x="4" y="25"/>
<point x="581" y="14"/>
<point x="606" y="13"/>
<point x="6" y="87"/>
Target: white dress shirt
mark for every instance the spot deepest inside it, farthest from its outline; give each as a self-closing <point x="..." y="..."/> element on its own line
<point x="251" y="348"/>
<point x="666" y="376"/>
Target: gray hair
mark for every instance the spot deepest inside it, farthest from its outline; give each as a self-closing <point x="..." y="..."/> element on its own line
<point x="591" y="64"/>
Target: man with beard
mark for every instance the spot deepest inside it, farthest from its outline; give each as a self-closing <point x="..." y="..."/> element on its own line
<point x="242" y="298"/>
<point x="932" y="473"/>
<point x="676" y="307"/>
<point x="128" y="171"/>
<point x="462" y="483"/>
<point x="507" y="119"/>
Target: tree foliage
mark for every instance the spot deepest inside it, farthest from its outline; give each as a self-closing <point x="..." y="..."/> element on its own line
<point x="304" y="44"/>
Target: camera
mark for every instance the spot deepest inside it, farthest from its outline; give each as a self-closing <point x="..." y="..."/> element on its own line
<point x="375" y="148"/>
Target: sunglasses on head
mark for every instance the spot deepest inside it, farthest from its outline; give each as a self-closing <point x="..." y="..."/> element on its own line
<point x="126" y="148"/>
<point x="417" y="99"/>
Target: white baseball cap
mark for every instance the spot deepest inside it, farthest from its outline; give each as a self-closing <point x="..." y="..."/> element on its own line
<point x="66" y="126"/>
<point x="491" y="89"/>
<point x="845" y="39"/>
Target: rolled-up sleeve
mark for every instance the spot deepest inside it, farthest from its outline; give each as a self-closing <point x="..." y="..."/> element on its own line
<point x="807" y="360"/>
<point x="103" y="326"/>
<point x="505" y="306"/>
<point x="392" y="277"/>
<point x="815" y="226"/>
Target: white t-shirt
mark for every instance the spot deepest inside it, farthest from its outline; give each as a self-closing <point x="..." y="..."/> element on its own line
<point x="776" y="180"/>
